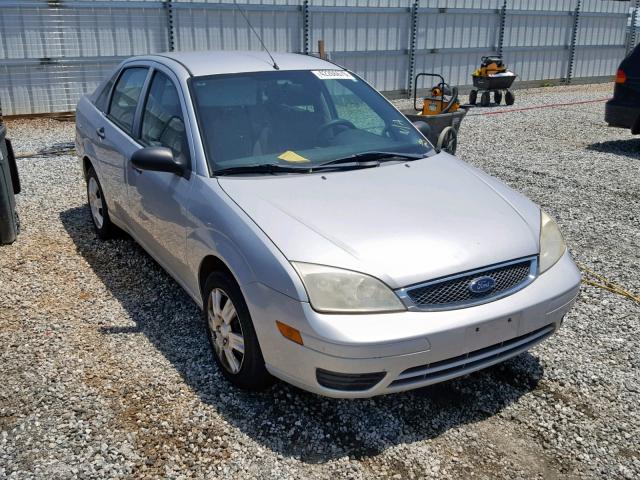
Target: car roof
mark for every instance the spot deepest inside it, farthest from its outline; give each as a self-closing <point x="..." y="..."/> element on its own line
<point x="220" y="62"/>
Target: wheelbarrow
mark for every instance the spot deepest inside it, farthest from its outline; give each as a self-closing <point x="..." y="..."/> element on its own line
<point x="441" y="112"/>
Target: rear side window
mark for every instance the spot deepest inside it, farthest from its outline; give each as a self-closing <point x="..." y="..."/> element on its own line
<point x="125" y="97"/>
<point x="103" y="95"/>
<point x="162" y="119"/>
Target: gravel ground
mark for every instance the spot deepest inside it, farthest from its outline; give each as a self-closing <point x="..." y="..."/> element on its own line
<point x="106" y="372"/>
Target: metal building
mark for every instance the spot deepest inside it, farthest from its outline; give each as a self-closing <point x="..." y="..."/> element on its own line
<point x="53" y="51"/>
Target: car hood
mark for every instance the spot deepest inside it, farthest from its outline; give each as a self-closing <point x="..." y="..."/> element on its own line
<point x="403" y="223"/>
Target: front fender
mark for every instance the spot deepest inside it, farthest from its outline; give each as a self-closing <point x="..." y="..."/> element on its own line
<point x="222" y="229"/>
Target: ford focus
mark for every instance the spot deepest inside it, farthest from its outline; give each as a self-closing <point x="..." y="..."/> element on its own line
<point x="327" y="242"/>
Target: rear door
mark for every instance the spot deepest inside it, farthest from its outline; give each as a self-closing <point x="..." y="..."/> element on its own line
<point x="159" y="200"/>
<point x="114" y="136"/>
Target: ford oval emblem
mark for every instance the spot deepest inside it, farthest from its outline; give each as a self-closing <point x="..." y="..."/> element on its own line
<point x="482" y="284"/>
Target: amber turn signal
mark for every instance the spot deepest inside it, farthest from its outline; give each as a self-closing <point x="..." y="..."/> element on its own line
<point x="289" y="332"/>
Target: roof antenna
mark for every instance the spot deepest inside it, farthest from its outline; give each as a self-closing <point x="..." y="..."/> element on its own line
<point x="275" y="65"/>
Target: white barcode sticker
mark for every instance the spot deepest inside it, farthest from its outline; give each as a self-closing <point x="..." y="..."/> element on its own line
<point x="333" y="74"/>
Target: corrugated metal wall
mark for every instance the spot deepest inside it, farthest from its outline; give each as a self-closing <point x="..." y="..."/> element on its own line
<point x="53" y="51"/>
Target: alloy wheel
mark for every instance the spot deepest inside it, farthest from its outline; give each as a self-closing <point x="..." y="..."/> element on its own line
<point x="225" y="331"/>
<point x="95" y="202"/>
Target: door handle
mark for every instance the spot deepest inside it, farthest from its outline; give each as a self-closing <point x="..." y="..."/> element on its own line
<point x="100" y="132"/>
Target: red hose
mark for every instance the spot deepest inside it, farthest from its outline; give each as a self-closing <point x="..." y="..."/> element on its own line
<point x="497" y="112"/>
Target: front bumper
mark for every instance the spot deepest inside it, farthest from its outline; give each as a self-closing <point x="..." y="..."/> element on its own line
<point x="409" y="349"/>
<point x="624" y="116"/>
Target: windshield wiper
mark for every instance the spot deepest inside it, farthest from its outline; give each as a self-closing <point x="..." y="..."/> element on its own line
<point x="357" y="160"/>
<point x="263" y="168"/>
<point x="370" y="159"/>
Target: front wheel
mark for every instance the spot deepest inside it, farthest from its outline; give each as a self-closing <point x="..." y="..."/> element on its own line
<point x="231" y="334"/>
<point x="448" y="140"/>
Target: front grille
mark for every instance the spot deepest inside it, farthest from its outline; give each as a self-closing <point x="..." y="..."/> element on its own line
<point x="450" y="292"/>
<point x="348" y="381"/>
<point x="452" y="367"/>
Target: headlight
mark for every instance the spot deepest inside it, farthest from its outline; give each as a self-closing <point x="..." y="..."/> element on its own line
<point x="552" y="245"/>
<point x="335" y="290"/>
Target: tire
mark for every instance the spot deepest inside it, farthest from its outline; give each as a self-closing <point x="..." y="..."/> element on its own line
<point x="224" y="332"/>
<point x="98" y="207"/>
<point x="448" y="140"/>
<point x="509" y="98"/>
<point x="485" y="99"/>
<point x="9" y="222"/>
<point x="497" y="97"/>
<point x="473" y="97"/>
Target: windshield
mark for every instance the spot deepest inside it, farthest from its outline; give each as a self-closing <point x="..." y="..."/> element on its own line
<point x="297" y="119"/>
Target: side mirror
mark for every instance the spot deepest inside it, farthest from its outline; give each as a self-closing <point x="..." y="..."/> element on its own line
<point x="157" y="159"/>
<point x="423" y="128"/>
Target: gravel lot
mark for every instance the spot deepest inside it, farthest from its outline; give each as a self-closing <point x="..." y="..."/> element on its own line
<point x="106" y="372"/>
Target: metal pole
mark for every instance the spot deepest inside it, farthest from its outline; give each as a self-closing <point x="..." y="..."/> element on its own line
<point x="168" y="6"/>
<point x="412" y="46"/>
<point x="503" y="19"/>
<point x="574" y="35"/>
<point x="633" y="27"/>
<point x="306" y="33"/>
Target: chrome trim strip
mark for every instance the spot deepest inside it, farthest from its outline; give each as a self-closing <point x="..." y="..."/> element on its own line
<point x="403" y="293"/>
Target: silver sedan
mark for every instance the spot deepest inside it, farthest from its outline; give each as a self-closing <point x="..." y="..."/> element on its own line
<point x="327" y="242"/>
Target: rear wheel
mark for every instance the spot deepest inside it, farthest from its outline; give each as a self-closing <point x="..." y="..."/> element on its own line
<point x="231" y="334"/>
<point x="485" y="99"/>
<point x="98" y="206"/>
<point x="473" y="97"/>
<point x="509" y="98"/>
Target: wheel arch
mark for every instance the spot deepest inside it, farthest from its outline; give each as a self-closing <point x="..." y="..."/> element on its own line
<point x="86" y="165"/>
<point x="209" y="265"/>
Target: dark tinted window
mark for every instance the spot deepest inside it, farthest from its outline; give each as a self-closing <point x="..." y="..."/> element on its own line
<point x="162" y="120"/>
<point x="125" y="97"/>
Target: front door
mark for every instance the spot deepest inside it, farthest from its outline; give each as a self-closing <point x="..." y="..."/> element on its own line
<point x="159" y="200"/>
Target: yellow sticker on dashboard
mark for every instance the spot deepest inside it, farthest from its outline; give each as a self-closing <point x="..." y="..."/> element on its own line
<point x="290" y="156"/>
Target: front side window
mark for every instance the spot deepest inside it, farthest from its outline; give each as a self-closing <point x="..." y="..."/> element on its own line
<point x="162" y="119"/>
<point x="125" y="97"/>
<point x="297" y="119"/>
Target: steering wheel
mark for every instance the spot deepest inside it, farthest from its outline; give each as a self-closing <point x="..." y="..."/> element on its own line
<point x="331" y="124"/>
<point x="389" y="132"/>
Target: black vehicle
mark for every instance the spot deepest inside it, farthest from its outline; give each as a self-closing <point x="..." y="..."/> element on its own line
<point x="9" y="187"/>
<point x="623" y="110"/>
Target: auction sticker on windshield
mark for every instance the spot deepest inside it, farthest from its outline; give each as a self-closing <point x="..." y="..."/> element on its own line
<point x="333" y="75"/>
